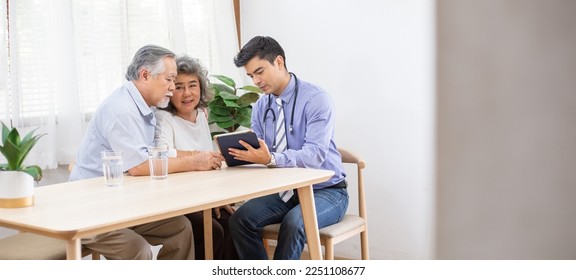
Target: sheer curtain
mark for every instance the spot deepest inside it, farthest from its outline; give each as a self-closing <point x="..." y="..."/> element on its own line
<point x="4" y="101"/>
<point x="63" y="58"/>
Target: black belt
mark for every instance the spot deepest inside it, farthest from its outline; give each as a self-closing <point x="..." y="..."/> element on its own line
<point x="342" y="184"/>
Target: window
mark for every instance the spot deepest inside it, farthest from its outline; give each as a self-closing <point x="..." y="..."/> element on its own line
<point x="4" y="93"/>
<point x="61" y="59"/>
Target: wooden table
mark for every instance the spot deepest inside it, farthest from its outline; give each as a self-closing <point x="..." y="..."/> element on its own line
<point x="80" y="209"/>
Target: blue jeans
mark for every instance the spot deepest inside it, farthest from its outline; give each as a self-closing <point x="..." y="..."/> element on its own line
<point x="247" y="222"/>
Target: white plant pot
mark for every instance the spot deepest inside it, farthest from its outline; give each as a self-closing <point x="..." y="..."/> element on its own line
<point x="16" y="189"/>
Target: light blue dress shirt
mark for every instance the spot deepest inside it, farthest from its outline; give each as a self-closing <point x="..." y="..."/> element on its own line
<point x="123" y="122"/>
<point x="311" y="140"/>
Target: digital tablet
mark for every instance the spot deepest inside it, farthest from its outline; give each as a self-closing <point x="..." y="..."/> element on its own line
<point x="231" y="140"/>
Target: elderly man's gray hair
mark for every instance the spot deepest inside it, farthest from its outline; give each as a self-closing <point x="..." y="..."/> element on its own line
<point x="148" y="57"/>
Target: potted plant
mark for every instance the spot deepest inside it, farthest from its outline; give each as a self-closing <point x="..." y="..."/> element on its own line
<point x="229" y="109"/>
<point x="17" y="180"/>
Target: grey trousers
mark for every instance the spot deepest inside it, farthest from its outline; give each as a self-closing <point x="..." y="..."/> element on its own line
<point x="174" y="234"/>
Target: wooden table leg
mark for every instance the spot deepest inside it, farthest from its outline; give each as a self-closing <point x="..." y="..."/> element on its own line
<point x="208" y="254"/>
<point x="73" y="249"/>
<point x="306" y="197"/>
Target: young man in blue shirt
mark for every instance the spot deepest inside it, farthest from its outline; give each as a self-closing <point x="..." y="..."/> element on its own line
<point x="303" y="137"/>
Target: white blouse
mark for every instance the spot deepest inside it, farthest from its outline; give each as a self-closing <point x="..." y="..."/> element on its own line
<point x="182" y="134"/>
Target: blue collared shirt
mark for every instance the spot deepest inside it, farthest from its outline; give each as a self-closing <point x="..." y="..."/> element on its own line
<point x="311" y="141"/>
<point x="123" y="122"/>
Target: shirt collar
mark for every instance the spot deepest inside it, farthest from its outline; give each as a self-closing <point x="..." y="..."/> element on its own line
<point x="288" y="92"/>
<point x="144" y="109"/>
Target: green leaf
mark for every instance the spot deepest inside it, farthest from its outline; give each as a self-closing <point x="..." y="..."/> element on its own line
<point x="34" y="171"/>
<point x="29" y="135"/>
<point x="218" y="107"/>
<point x="218" y="100"/>
<point x="231" y="103"/>
<point x="5" y="132"/>
<point x="252" y="88"/>
<point x="14" y="137"/>
<point x="219" y="118"/>
<point x="15" y="150"/>
<point x="27" y="146"/>
<point x="228" y="96"/>
<point x="244" y="116"/>
<point x="247" y="99"/>
<point x="12" y="154"/>
<point x="229" y="100"/>
<point x="226" y="124"/>
<point x="222" y="88"/>
<point x="225" y="80"/>
<point x="229" y="110"/>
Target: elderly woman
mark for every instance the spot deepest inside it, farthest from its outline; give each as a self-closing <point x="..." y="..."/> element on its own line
<point x="183" y="125"/>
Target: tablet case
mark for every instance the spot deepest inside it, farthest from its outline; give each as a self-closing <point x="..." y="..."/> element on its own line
<point x="230" y="140"/>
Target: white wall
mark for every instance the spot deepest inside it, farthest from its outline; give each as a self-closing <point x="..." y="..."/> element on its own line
<point x="506" y="129"/>
<point x="375" y="58"/>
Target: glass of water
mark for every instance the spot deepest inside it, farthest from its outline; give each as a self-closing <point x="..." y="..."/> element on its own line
<point x="158" y="161"/>
<point x="112" y="167"/>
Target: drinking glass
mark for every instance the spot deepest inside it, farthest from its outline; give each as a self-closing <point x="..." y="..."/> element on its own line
<point x="112" y="167"/>
<point x="158" y="161"/>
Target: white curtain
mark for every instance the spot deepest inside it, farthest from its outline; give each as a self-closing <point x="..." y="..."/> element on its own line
<point x="65" y="57"/>
<point x="4" y="101"/>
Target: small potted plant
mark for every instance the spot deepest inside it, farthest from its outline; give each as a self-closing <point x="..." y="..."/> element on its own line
<point x="229" y="109"/>
<point x="17" y="180"/>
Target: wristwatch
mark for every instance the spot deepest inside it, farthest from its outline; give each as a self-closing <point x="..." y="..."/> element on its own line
<point x="272" y="162"/>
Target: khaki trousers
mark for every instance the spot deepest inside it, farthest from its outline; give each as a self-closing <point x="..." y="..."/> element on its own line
<point x="174" y="234"/>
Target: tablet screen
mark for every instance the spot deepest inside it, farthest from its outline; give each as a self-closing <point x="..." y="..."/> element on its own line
<point x="231" y="140"/>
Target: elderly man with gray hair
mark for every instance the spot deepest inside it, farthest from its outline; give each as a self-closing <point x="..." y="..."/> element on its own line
<point x="125" y="122"/>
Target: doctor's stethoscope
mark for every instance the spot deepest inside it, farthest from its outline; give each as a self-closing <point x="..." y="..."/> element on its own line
<point x="269" y="109"/>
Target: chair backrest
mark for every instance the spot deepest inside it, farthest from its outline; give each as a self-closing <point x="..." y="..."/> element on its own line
<point x="71" y="166"/>
<point x="350" y="157"/>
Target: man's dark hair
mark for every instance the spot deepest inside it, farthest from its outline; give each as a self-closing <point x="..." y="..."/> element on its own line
<point x="262" y="46"/>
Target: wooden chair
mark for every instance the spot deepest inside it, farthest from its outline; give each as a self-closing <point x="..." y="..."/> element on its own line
<point x="29" y="246"/>
<point x="350" y="225"/>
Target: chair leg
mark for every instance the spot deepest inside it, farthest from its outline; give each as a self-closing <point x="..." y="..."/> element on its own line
<point x="95" y="256"/>
<point x="329" y="249"/>
<point x="265" y="241"/>
<point x="364" y="244"/>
